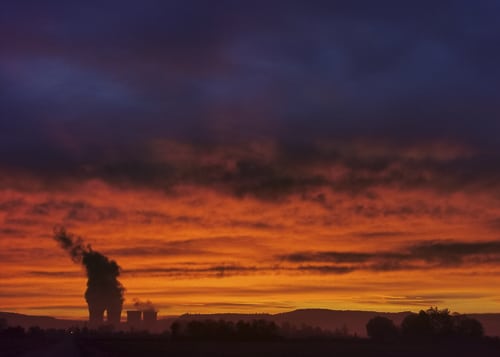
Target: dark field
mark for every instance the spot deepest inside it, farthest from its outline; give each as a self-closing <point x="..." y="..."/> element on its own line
<point x="430" y="333"/>
<point x="158" y="347"/>
<point x="144" y="346"/>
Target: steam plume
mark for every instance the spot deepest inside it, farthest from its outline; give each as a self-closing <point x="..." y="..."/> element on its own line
<point x="104" y="291"/>
<point x="144" y="305"/>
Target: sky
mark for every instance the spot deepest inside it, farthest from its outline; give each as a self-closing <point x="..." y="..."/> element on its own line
<point x="252" y="156"/>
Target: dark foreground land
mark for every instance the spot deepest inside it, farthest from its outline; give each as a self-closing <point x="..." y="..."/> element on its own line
<point x="144" y="346"/>
<point x="430" y="333"/>
<point x="287" y="348"/>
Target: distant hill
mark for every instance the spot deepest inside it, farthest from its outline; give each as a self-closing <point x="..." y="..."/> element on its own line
<point x="355" y="321"/>
<point x="44" y="322"/>
<point x="491" y="323"/>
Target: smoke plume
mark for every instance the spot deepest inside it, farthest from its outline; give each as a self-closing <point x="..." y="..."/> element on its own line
<point x="144" y="305"/>
<point x="104" y="291"/>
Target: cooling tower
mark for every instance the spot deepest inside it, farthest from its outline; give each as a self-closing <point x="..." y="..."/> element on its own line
<point x="134" y="318"/>
<point x="114" y="315"/>
<point x="149" y="318"/>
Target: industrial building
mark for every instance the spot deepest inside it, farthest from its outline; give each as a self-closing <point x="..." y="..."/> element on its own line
<point x="137" y="319"/>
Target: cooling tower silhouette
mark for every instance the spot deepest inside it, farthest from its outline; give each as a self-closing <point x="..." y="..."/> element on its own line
<point x="104" y="292"/>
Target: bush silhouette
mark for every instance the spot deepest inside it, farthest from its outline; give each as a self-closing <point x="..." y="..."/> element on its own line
<point x="381" y="329"/>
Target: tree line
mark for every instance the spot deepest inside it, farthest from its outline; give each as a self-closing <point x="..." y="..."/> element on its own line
<point x="429" y="324"/>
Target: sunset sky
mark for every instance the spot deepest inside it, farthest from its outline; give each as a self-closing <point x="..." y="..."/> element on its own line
<point x="252" y="156"/>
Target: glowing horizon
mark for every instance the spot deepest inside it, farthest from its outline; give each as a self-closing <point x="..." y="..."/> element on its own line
<point x="198" y="249"/>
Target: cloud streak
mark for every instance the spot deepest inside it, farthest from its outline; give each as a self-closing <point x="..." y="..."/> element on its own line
<point x="276" y="176"/>
<point x="426" y="255"/>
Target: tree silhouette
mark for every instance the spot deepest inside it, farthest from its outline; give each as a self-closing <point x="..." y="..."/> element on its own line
<point x="468" y="327"/>
<point x="381" y="329"/>
<point x="416" y="325"/>
<point x="224" y="330"/>
<point x="440" y="324"/>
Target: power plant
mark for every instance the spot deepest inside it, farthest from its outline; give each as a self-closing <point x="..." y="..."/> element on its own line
<point x="104" y="292"/>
